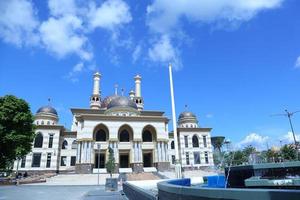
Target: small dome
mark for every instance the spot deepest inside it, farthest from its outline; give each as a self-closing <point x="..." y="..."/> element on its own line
<point x="121" y="101"/>
<point x="187" y="117"/>
<point x="107" y="100"/>
<point x="47" y="109"/>
<point x="187" y="114"/>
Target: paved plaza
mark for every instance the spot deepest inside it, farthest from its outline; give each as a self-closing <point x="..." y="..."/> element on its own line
<point x="38" y="192"/>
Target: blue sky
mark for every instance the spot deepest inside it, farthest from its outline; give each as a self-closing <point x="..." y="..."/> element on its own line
<point x="235" y="62"/>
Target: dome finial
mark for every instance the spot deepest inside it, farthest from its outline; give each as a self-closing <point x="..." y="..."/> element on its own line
<point x="185" y="107"/>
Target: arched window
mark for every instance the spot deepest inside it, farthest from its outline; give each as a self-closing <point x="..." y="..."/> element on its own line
<point x="172" y="145"/>
<point x="195" y="141"/>
<point x="48" y="122"/>
<point x="42" y="122"/>
<point x="64" y="144"/>
<point x="74" y="144"/>
<point x="38" y="142"/>
<point x="124" y="136"/>
<point x="100" y="135"/>
<point x="147" y="136"/>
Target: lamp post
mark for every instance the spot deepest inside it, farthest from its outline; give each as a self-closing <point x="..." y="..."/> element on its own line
<point x="98" y="147"/>
<point x="177" y="161"/>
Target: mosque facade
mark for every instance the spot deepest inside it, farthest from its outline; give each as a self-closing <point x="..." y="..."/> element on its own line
<point x="139" y="138"/>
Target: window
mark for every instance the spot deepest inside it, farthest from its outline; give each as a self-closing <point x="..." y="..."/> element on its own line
<point x="42" y="122"/>
<point x="147" y="136"/>
<point x="172" y="145"/>
<point x="50" y="141"/>
<point x="64" y="144"/>
<point x="36" y="160"/>
<point x="63" y="161"/>
<point x="187" y="158"/>
<point x="48" y="164"/>
<point x="38" y="142"/>
<point x="23" y="162"/>
<point x="195" y="141"/>
<point x="204" y="141"/>
<point x="74" y="144"/>
<point x="206" y="157"/>
<point x="124" y="136"/>
<point x="186" y="142"/>
<point x="197" y="158"/>
<point x="73" y="160"/>
<point x="101" y="135"/>
<point x="173" y="159"/>
<point x="48" y="122"/>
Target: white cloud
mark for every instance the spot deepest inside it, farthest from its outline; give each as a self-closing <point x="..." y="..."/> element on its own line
<point x="62" y="7"/>
<point x="297" y="64"/>
<point x="136" y="53"/>
<point x="162" y="17"/>
<point x="163" y="51"/>
<point x="255" y="140"/>
<point x="289" y="138"/>
<point x="64" y="36"/>
<point x="110" y="15"/>
<point x="165" y="17"/>
<point x="18" y="22"/>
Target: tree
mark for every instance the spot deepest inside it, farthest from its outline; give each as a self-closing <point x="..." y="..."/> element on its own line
<point x="110" y="165"/>
<point x="289" y="152"/>
<point x="249" y="150"/>
<point x="16" y="130"/>
<point x="272" y="155"/>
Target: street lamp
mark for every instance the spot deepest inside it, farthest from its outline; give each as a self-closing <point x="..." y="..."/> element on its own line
<point x="98" y="147"/>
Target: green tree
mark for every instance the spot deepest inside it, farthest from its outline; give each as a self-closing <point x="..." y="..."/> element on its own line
<point x="249" y="150"/>
<point x="289" y="152"/>
<point x="16" y="130"/>
<point x="272" y="155"/>
<point x="110" y="165"/>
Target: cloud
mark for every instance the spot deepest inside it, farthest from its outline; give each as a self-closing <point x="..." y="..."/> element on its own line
<point x="163" y="51"/>
<point x="136" y="53"/>
<point x="297" y="64"/>
<point x="255" y="140"/>
<point x="209" y="115"/>
<point x="64" y="36"/>
<point x="18" y="22"/>
<point x="62" y="7"/>
<point x="110" y="15"/>
<point x="163" y="19"/>
<point x="289" y="138"/>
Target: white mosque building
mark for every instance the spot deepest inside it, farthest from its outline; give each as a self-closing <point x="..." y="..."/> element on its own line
<point x="140" y="138"/>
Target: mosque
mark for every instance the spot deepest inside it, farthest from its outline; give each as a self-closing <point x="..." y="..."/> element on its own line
<point x="140" y="138"/>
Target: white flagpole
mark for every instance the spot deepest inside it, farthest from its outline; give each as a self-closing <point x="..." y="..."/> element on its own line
<point x="177" y="161"/>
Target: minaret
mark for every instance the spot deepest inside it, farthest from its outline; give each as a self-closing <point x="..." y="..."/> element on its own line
<point x="95" y="101"/>
<point x="138" y="96"/>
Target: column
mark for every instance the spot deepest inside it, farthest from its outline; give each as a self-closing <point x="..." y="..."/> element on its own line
<point x="78" y="152"/>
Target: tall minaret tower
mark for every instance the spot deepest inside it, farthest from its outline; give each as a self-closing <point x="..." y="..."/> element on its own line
<point x="138" y="95"/>
<point x="95" y="101"/>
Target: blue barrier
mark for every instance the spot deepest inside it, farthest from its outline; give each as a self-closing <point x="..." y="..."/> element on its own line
<point x="216" y="181"/>
<point x="182" y="182"/>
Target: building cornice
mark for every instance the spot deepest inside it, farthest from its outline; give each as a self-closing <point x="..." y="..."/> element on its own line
<point x="194" y="129"/>
<point x="121" y="118"/>
<point x="59" y="127"/>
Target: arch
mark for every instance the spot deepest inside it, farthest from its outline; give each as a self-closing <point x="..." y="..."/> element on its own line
<point x="64" y="144"/>
<point x="172" y="145"/>
<point x="195" y="141"/>
<point x="101" y="133"/>
<point x="38" y="141"/>
<point x="74" y="144"/>
<point x="149" y="134"/>
<point x="125" y="133"/>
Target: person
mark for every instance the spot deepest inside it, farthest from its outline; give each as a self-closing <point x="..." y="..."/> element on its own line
<point x="25" y="175"/>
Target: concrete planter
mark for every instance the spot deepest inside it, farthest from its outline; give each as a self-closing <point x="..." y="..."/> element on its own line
<point x="111" y="184"/>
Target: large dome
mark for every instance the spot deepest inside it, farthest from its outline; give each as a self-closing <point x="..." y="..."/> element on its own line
<point x="121" y="101"/>
<point x="47" y="110"/>
<point x="107" y="100"/>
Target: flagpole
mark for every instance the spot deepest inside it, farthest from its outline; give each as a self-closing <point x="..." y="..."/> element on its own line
<point x="177" y="161"/>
